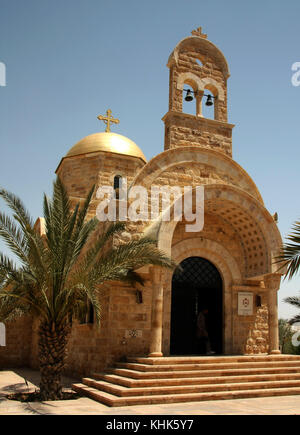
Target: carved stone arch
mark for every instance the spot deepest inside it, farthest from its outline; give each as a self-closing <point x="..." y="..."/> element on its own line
<point x="258" y="234"/>
<point x="213" y="86"/>
<point x="202" y="46"/>
<point x="191" y="79"/>
<point x="212" y="251"/>
<point x="229" y="271"/>
<point x="189" y="154"/>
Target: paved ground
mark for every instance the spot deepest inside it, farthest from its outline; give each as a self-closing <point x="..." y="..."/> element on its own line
<point x="14" y="381"/>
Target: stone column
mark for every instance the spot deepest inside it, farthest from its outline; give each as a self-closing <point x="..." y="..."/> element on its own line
<point x="157" y="314"/>
<point x="272" y="283"/>
<point x="199" y="97"/>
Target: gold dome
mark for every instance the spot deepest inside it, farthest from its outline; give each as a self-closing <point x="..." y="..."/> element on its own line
<point x="109" y="142"/>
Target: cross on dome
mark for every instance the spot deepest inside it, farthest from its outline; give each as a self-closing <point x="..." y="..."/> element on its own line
<point x="108" y="119"/>
<point x="198" y="32"/>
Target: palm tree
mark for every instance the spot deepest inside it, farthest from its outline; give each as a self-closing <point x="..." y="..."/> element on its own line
<point x="290" y="259"/>
<point x="62" y="269"/>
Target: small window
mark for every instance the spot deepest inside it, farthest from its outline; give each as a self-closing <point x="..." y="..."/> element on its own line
<point x="117" y="182"/>
<point x="117" y="185"/>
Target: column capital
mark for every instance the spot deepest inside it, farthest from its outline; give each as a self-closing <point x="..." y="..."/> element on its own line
<point x="272" y="281"/>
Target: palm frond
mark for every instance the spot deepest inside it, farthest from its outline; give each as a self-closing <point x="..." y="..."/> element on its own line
<point x="293" y="300"/>
<point x="18" y="208"/>
<point x="83" y="211"/>
<point x="9" y="310"/>
<point x="290" y="253"/>
<point x="13" y="237"/>
<point x="115" y="264"/>
<point x="102" y="239"/>
<point x="295" y="319"/>
<point x="8" y="271"/>
<point x="132" y="277"/>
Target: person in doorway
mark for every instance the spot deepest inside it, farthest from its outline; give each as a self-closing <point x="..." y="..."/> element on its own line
<point x="202" y="333"/>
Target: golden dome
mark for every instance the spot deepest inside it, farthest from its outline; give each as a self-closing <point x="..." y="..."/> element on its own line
<point x="109" y="142"/>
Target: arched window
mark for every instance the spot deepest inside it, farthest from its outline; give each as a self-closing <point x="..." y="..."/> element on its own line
<point x="117" y="185"/>
<point x="117" y="182"/>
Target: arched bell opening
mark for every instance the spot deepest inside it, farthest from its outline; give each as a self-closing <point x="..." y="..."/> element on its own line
<point x="189" y="100"/>
<point x="209" y="105"/>
<point x="196" y="285"/>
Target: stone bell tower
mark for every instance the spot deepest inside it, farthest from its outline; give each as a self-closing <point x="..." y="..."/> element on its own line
<point x="198" y="64"/>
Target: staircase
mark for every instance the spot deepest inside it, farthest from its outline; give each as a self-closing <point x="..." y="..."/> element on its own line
<point x="144" y="381"/>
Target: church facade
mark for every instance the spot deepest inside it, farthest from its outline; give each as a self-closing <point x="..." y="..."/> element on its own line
<point x="227" y="266"/>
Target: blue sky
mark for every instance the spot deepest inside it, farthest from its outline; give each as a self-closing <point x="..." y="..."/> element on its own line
<point x="69" y="61"/>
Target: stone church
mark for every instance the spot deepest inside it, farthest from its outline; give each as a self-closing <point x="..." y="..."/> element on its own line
<point x="227" y="267"/>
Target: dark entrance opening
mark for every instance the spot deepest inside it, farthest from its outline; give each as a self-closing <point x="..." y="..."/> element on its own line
<point x="197" y="284"/>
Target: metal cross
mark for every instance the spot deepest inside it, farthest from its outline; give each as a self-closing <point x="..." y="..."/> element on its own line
<point x="108" y="119"/>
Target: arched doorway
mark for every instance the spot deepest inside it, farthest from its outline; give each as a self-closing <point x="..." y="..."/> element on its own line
<point x="196" y="284"/>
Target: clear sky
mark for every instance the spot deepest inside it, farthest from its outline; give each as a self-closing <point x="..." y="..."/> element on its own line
<point x="69" y="61"/>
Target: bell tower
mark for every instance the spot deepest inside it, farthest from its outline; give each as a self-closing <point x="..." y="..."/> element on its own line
<point x="197" y="64"/>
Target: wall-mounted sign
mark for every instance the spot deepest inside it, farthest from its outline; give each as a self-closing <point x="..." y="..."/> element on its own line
<point x="245" y="304"/>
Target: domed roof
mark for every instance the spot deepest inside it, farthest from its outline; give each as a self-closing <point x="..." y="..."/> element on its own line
<point x="109" y="142"/>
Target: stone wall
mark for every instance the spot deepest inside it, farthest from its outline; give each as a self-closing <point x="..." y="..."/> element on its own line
<point x="129" y="321"/>
<point x="17" y="351"/>
<point x="80" y="173"/>
<point x="251" y="333"/>
<point x="183" y="130"/>
<point x="124" y="330"/>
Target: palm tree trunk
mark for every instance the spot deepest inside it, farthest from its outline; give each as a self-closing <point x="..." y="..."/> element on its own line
<point x="52" y="351"/>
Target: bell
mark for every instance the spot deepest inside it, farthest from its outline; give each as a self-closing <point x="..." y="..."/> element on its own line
<point x="189" y="96"/>
<point x="209" y="101"/>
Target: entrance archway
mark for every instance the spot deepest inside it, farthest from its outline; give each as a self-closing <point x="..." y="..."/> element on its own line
<point x="196" y="284"/>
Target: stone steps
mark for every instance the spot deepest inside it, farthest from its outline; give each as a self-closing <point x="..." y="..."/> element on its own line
<point x="184" y="379"/>
<point x="112" y="400"/>
<point x="131" y="383"/>
<point x="122" y="391"/>
<point x="200" y="373"/>
<point x="212" y="359"/>
<point x="199" y="366"/>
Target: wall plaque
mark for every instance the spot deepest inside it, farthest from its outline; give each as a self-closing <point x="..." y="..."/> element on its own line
<point x="245" y="304"/>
